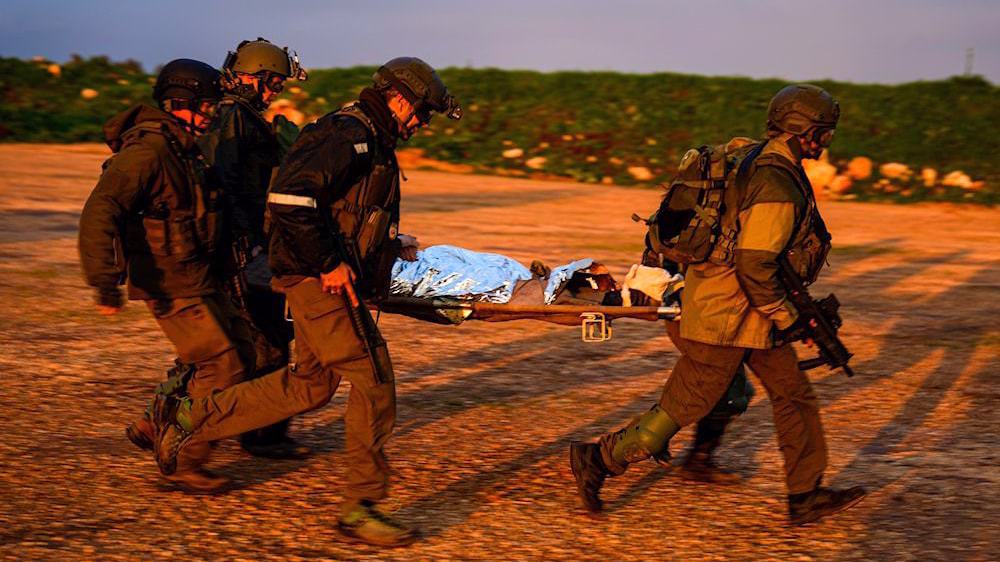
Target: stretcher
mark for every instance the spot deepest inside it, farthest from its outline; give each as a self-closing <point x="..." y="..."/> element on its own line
<point x="595" y="321"/>
<point x="450" y="285"/>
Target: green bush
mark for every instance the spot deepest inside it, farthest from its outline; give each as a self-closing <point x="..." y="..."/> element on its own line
<point x="587" y="125"/>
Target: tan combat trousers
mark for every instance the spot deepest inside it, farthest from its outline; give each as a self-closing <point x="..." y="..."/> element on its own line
<point x="207" y="332"/>
<point x="328" y="349"/>
<point x="704" y="372"/>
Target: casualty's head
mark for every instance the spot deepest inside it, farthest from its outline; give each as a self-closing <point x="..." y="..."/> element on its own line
<point x="806" y="112"/>
<point x="257" y="71"/>
<point x="190" y="91"/>
<point x="413" y="92"/>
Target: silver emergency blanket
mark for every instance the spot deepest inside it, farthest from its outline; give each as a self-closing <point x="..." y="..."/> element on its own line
<point x="449" y="271"/>
<point x="561" y="275"/>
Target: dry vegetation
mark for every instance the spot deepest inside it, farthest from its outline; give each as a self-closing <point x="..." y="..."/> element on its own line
<point x="487" y="411"/>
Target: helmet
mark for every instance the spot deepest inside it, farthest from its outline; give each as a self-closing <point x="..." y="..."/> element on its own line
<point x="801" y="108"/>
<point x="186" y="79"/>
<point x="419" y="84"/>
<point x="252" y="57"/>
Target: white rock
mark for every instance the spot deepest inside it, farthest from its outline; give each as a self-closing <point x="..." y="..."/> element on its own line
<point x="928" y="176"/>
<point x="536" y="163"/>
<point x="513" y="153"/>
<point x="859" y="168"/>
<point x="957" y="178"/>
<point x="895" y="171"/>
<point x="640" y="173"/>
<point x="820" y="173"/>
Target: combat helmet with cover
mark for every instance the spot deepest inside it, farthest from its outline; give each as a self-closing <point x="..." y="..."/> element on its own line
<point x="264" y="59"/>
<point x="185" y="84"/>
<point x="420" y="84"/>
<point x="804" y="110"/>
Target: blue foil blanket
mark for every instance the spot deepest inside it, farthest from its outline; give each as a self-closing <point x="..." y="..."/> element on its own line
<point x="449" y="271"/>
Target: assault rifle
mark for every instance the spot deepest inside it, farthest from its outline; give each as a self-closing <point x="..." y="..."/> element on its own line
<point x="241" y="257"/>
<point x="361" y="319"/>
<point x="818" y="321"/>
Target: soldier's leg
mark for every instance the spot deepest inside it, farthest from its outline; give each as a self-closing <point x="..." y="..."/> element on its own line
<point x="698" y="379"/>
<point x="711" y="428"/>
<point x="272" y="334"/>
<point x="800" y="436"/>
<point x="796" y="416"/>
<point x="696" y="383"/>
<point x="208" y="335"/>
<point x="328" y="332"/>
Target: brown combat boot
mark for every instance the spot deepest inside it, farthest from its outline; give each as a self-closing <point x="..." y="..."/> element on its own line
<point x="812" y="506"/>
<point x="700" y="466"/>
<point x="199" y="481"/>
<point x="273" y="442"/>
<point x="589" y="471"/>
<point x="364" y="522"/>
<point x="141" y="433"/>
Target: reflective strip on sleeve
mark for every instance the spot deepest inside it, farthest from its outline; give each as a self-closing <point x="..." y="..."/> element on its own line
<point x="291" y="200"/>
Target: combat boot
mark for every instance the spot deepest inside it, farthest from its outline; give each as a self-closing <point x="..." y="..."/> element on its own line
<point x="285" y="449"/>
<point x="273" y="442"/>
<point x="364" y="522"/>
<point x="199" y="481"/>
<point x="141" y="433"/>
<point x="700" y="466"/>
<point x="589" y="471"/>
<point x="700" y="462"/>
<point x="812" y="506"/>
<point x="170" y="433"/>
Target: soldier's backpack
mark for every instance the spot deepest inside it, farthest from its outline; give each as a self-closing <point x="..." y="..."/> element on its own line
<point x="688" y="226"/>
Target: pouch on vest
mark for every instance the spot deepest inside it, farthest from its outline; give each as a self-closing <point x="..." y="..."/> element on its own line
<point x="688" y="224"/>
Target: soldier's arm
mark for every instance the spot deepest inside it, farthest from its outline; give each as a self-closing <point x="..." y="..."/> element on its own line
<point x="223" y="146"/>
<point x="767" y="223"/>
<point x="103" y="218"/>
<point x="316" y="172"/>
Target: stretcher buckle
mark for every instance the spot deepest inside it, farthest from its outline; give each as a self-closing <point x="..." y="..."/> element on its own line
<point x="594" y="327"/>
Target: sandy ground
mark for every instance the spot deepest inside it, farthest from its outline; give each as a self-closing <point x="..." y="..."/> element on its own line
<point x="487" y="410"/>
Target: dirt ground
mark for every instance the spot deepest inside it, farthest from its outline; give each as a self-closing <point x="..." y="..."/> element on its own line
<point x="487" y="411"/>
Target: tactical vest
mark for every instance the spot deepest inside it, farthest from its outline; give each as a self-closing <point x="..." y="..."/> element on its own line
<point x="191" y="227"/>
<point x="809" y="244"/>
<point x="367" y="213"/>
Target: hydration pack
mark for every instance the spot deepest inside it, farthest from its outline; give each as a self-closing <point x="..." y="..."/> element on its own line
<point x="687" y="228"/>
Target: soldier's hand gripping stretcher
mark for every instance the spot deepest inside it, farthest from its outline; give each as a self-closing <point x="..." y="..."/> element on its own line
<point x="818" y="322"/>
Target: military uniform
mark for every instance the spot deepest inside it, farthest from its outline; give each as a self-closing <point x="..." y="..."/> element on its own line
<point x="736" y="309"/>
<point x="341" y="170"/>
<point x="244" y="149"/>
<point x="333" y="211"/>
<point x="729" y="314"/>
<point x="154" y="219"/>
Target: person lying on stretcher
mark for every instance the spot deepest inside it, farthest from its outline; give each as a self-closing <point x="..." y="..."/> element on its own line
<point x="449" y="273"/>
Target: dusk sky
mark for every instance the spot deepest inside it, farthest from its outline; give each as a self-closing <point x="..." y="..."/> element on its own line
<point x="886" y="41"/>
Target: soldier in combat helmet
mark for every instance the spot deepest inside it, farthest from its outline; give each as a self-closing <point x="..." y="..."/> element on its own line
<point x="333" y="213"/>
<point x="245" y="149"/>
<point x="154" y="220"/>
<point x="738" y="312"/>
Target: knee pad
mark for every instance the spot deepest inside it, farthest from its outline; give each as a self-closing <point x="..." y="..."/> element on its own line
<point x="645" y="436"/>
